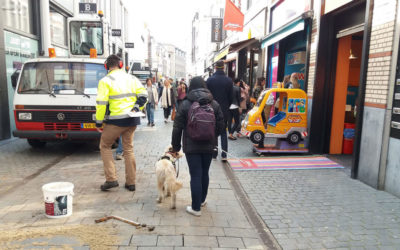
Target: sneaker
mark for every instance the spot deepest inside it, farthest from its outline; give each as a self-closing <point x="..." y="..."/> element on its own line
<point x="109" y="184"/>
<point x="152" y="124"/>
<point x="118" y="157"/>
<point x="192" y="212"/>
<point x="148" y="124"/>
<point x="165" y="120"/>
<point x="204" y="204"/>
<point x="224" y="159"/>
<point x="130" y="187"/>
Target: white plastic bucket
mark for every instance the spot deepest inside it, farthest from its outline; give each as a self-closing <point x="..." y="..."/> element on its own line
<point x="58" y="199"/>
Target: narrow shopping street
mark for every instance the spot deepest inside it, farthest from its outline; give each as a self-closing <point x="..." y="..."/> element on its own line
<point x="303" y="209"/>
<point x="223" y="223"/>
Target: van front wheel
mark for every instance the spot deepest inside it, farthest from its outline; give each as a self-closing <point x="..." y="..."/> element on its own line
<point x="34" y="143"/>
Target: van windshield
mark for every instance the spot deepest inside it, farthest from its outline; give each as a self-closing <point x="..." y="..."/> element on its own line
<point x="73" y="78"/>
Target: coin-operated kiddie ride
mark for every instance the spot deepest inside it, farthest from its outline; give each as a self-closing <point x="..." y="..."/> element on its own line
<point x="279" y="117"/>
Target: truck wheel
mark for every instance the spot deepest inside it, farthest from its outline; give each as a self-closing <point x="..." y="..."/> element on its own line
<point x="294" y="138"/>
<point x="257" y="137"/>
<point x="34" y="143"/>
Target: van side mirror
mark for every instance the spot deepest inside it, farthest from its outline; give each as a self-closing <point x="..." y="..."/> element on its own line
<point x="14" y="78"/>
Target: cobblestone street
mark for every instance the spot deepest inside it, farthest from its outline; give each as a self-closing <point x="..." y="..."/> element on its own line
<point x="223" y="224"/>
<point x="320" y="209"/>
<point x="303" y="209"/>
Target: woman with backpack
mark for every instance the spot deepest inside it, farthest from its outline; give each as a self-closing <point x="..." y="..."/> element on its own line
<point x="200" y="134"/>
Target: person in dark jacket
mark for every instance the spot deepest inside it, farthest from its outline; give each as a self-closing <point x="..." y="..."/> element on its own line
<point x="198" y="153"/>
<point x="234" y="110"/>
<point x="220" y="87"/>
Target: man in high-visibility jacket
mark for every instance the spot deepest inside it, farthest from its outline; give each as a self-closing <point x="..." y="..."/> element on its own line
<point x="119" y="95"/>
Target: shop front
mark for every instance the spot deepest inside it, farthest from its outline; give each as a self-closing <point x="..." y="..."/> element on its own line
<point x="287" y="41"/>
<point x="335" y="101"/>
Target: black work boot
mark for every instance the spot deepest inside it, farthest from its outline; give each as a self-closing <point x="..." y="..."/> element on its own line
<point x="109" y="184"/>
<point x="130" y="187"/>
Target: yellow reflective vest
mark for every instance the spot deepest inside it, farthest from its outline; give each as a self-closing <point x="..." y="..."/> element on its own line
<point x="118" y="93"/>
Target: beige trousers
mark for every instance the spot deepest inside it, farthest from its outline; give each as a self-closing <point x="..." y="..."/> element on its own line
<point x="110" y="134"/>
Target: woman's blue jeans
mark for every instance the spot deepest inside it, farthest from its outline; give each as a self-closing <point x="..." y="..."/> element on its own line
<point x="199" y="165"/>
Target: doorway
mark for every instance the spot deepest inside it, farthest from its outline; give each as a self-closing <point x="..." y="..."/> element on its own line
<point x="345" y="94"/>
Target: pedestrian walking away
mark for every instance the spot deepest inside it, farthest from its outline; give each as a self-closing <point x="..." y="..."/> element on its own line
<point x="152" y="101"/>
<point x="167" y="100"/>
<point x="234" y="110"/>
<point x="221" y="87"/>
<point x="198" y="151"/>
<point x="118" y="96"/>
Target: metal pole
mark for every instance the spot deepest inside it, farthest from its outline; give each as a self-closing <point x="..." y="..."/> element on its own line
<point x="45" y="25"/>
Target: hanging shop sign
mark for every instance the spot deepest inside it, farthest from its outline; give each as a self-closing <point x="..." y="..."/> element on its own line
<point x="87" y="8"/>
<point x="286" y="11"/>
<point x="216" y="30"/>
<point x="129" y="45"/>
<point x="115" y="32"/>
<point x="233" y="17"/>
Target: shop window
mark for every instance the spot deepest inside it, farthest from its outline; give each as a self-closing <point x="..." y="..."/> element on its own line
<point x="18" y="15"/>
<point x="58" y="28"/>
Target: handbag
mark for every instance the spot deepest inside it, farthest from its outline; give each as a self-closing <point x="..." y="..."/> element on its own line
<point x="173" y="114"/>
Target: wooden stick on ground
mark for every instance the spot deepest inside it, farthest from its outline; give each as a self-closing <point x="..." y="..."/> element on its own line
<point x="130" y="222"/>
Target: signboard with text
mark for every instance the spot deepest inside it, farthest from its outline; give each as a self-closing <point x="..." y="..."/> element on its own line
<point x="216" y="30"/>
<point x="87" y="8"/>
<point x="116" y="32"/>
<point x="129" y="45"/>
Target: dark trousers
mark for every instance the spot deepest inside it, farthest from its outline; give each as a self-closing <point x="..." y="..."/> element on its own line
<point x="167" y="112"/>
<point x="199" y="164"/>
<point x="224" y="143"/>
<point x="233" y="113"/>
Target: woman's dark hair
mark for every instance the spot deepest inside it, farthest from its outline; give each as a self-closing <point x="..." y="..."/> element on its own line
<point x="197" y="83"/>
<point x="236" y="80"/>
<point x="286" y="79"/>
<point x="260" y="80"/>
<point x="241" y="84"/>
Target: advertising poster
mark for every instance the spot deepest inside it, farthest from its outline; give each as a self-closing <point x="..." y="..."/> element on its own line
<point x="295" y="63"/>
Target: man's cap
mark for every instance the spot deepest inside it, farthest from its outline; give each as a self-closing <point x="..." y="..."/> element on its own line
<point x="219" y="64"/>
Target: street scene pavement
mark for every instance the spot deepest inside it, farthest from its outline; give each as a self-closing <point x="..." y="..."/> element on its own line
<point x="300" y="209"/>
<point x="223" y="224"/>
<point x="320" y="209"/>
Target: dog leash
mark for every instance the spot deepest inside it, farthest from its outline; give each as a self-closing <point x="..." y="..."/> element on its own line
<point x="233" y="156"/>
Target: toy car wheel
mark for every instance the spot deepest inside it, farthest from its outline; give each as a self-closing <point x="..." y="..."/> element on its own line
<point x="36" y="143"/>
<point x="294" y="138"/>
<point x="257" y="137"/>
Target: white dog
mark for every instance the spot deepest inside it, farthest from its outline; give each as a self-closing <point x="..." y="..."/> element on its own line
<point x="166" y="177"/>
